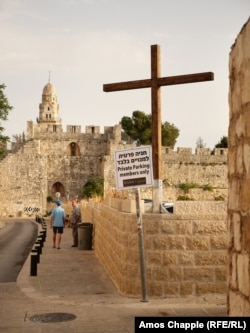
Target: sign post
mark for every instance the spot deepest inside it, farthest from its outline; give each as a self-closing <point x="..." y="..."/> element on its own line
<point x="141" y="246"/>
<point x="134" y="169"/>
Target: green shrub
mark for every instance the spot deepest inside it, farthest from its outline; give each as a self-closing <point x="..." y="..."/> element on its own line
<point x="93" y="188"/>
<point x="49" y="199"/>
<point x="185" y="187"/>
<point x="207" y="187"/>
<point x="47" y="214"/>
<point x="219" y="198"/>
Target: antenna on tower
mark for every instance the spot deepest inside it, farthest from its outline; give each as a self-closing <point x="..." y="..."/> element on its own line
<point x="49" y="76"/>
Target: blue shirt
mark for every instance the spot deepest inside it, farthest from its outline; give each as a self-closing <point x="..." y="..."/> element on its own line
<point x="58" y="214"/>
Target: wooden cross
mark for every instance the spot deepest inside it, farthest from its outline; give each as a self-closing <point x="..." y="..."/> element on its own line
<point x="155" y="84"/>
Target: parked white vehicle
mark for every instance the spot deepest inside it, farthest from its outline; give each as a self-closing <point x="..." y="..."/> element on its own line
<point x="167" y="207"/>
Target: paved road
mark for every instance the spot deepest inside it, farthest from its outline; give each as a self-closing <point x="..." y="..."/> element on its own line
<point x="16" y="241"/>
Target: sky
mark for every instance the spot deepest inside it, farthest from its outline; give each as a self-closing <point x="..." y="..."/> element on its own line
<point x="80" y="45"/>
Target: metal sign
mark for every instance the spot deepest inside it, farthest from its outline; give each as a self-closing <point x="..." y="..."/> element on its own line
<point x="134" y="168"/>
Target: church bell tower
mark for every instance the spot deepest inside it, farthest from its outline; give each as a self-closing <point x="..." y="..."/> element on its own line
<point x="49" y="109"/>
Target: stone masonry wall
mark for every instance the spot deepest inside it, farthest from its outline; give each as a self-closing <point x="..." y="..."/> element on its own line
<point x="239" y="176"/>
<point x="178" y="167"/>
<point x="27" y="177"/>
<point x="30" y="175"/>
<point x="184" y="255"/>
<point x="21" y="186"/>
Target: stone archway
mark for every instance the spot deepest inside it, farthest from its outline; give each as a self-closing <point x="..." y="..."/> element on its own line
<point x="57" y="187"/>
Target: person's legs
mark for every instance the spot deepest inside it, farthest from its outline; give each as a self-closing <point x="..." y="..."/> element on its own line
<point x="59" y="236"/>
<point x="54" y="239"/>
<point x="75" y="235"/>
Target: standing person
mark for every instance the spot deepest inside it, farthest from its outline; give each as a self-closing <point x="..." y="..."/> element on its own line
<point x="75" y="218"/>
<point x="57" y="222"/>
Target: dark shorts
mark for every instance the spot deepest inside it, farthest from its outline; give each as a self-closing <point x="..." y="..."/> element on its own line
<point x="58" y="230"/>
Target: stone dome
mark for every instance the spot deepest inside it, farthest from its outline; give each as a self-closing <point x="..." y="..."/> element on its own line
<point x="49" y="89"/>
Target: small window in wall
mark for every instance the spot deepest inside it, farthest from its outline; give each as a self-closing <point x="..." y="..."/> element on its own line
<point x="54" y="128"/>
<point x="74" y="149"/>
<point x="92" y="130"/>
<point x="73" y="129"/>
<point x="48" y="108"/>
<point x="46" y="116"/>
<point x="49" y="116"/>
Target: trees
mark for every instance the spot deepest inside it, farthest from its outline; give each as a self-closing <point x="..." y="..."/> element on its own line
<point x="139" y="128"/>
<point x="18" y="141"/>
<point x="170" y="134"/>
<point x="200" y="143"/>
<point x="223" y="143"/>
<point x="5" y="108"/>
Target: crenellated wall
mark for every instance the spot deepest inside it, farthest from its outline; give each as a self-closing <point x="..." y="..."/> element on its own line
<point x="50" y="162"/>
<point x="180" y="166"/>
<point x="72" y="160"/>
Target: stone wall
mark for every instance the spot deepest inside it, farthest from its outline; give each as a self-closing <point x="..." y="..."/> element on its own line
<point x="46" y="164"/>
<point x="180" y="166"/>
<point x="23" y="177"/>
<point x="239" y="176"/>
<point x="184" y="255"/>
<point x="28" y="176"/>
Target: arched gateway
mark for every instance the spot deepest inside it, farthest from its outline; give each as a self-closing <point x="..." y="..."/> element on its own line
<point x="58" y="187"/>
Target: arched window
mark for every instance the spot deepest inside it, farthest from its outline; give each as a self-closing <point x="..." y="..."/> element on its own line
<point x="73" y="149"/>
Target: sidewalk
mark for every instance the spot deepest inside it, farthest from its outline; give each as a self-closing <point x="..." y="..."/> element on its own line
<point x="70" y="281"/>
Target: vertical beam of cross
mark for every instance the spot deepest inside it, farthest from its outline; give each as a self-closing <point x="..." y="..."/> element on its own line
<point x="156" y="111"/>
<point x="155" y="84"/>
<point x="156" y="128"/>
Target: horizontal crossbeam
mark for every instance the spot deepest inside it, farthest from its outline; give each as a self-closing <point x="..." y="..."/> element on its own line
<point x="164" y="81"/>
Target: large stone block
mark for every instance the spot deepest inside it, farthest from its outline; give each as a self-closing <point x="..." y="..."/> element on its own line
<point x="200" y="243"/>
<point x="210" y="288"/>
<point x="243" y="274"/>
<point x="128" y="206"/>
<point x="202" y="274"/>
<point x="186" y="258"/>
<point x="218" y="242"/>
<point x="218" y="258"/>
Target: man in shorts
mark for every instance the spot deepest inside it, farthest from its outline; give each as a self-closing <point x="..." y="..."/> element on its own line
<point x="58" y="216"/>
<point x="75" y="219"/>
